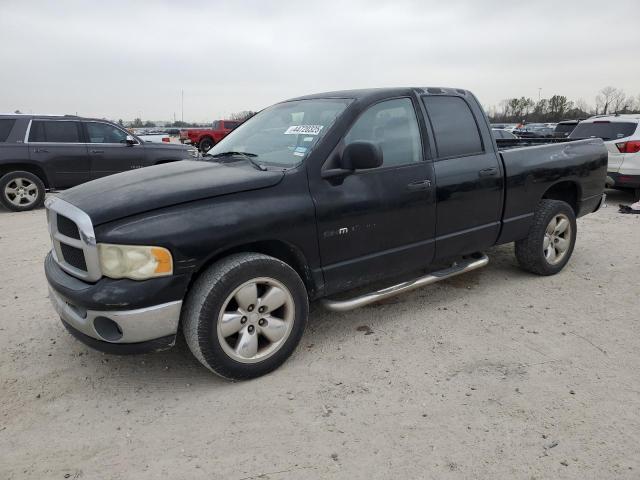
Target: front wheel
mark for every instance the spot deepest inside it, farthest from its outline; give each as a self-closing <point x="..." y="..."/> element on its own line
<point x="206" y="144"/>
<point x="550" y="241"/>
<point x="245" y="315"/>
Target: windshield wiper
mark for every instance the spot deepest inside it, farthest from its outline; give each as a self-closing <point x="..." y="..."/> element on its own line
<point x="246" y="155"/>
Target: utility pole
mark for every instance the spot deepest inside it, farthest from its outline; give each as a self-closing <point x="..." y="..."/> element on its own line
<point x="539" y="93"/>
<point x="182" y="105"/>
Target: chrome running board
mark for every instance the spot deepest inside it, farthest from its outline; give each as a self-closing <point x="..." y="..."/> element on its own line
<point x="472" y="262"/>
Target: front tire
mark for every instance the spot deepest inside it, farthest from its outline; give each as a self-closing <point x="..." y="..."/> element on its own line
<point x="206" y="144"/>
<point x="21" y="191"/>
<point x="245" y="315"/>
<point x="551" y="239"/>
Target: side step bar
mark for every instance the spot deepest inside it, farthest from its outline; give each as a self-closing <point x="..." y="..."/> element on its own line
<point x="472" y="262"/>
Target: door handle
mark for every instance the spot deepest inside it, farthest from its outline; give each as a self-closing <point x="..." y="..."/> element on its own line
<point x="488" y="172"/>
<point x="40" y="150"/>
<point x="419" y="185"/>
<point x="97" y="151"/>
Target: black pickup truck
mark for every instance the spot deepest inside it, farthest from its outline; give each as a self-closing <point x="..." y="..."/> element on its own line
<point x="316" y="198"/>
<point x="46" y="152"/>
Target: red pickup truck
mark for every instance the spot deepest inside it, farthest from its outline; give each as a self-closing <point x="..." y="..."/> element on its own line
<point x="205" y="138"/>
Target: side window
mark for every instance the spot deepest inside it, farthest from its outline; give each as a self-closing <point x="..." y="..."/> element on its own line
<point x="6" y="124"/>
<point x="454" y="126"/>
<point x="55" y="131"/>
<point x="104" y="133"/>
<point x="394" y="126"/>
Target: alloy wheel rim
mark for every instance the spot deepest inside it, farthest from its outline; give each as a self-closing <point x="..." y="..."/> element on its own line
<point x="557" y="239"/>
<point x="256" y="319"/>
<point x="21" y="192"/>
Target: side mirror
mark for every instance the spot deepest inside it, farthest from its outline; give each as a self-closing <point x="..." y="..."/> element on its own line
<point x="361" y="155"/>
<point x="130" y="140"/>
<point x="355" y="156"/>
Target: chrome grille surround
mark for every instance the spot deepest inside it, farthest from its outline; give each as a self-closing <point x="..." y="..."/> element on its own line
<point x="86" y="243"/>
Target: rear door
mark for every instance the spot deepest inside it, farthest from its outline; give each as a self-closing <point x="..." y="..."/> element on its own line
<point x="57" y="145"/>
<point x="380" y="221"/>
<point x="469" y="178"/>
<point x="109" y="151"/>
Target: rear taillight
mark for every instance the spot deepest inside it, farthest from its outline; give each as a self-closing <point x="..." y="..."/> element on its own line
<point x="165" y="140"/>
<point x="629" y="147"/>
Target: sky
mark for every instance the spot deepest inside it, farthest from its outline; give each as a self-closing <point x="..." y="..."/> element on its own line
<point x="126" y="59"/>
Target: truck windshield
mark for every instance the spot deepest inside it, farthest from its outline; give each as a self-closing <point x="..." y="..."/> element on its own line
<point x="282" y="134"/>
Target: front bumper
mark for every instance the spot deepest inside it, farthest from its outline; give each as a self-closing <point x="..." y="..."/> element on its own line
<point x="117" y="315"/>
<point x="120" y="326"/>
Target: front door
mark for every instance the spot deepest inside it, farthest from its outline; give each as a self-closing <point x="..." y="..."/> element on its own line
<point x="378" y="222"/>
<point x="57" y="145"/>
<point x="109" y="151"/>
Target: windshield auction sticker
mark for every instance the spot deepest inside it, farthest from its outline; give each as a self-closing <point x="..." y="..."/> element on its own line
<point x="303" y="129"/>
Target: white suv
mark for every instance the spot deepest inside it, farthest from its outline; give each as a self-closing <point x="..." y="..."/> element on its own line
<point x="621" y="135"/>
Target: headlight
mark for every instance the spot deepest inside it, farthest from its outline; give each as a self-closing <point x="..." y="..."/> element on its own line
<point x="134" y="261"/>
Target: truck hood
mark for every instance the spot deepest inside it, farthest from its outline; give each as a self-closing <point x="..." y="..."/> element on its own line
<point x="130" y="193"/>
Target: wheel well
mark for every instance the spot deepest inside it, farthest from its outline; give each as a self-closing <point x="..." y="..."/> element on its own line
<point x="567" y="192"/>
<point x="25" y="167"/>
<point x="274" y="248"/>
<point x="207" y="137"/>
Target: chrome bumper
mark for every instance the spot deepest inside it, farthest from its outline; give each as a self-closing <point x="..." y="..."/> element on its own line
<point x="120" y="326"/>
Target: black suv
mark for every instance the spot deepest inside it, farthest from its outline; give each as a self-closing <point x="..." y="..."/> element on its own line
<point x="45" y="152"/>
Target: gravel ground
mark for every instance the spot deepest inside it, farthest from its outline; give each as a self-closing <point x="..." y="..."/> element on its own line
<point x="496" y="374"/>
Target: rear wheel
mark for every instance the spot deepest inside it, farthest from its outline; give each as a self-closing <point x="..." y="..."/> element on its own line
<point x="20" y="191"/>
<point x="245" y="315"/>
<point x="206" y="144"/>
<point x="552" y="236"/>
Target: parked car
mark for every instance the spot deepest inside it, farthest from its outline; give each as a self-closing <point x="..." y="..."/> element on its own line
<point x="155" y="137"/>
<point x="308" y="200"/>
<point x="40" y="153"/>
<point x="206" y="138"/>
<point x="502" y="134"/>
<point x="534" y="131"/>
<point x="563" y="129"/>
<point x="621" y="136"/>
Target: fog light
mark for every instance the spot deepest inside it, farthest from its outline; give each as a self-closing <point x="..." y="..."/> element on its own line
<point x="107" y="329"/>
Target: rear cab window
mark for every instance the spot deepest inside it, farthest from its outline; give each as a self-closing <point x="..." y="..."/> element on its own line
<point x="604" y="129"/>
<point x="454" y="126"/>
<point x="54" y="131"/>
<point x="6" y="125"/>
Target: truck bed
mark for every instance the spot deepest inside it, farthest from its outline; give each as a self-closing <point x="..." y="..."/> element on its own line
<point x="530" y="171"/>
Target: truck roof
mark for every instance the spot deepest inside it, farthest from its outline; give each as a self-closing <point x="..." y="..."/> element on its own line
<point x="367" y="93"/>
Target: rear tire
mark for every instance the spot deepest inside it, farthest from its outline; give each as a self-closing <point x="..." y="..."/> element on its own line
<point x="245" y="315"/>
<point x="206" y="144"/>
<point x="636" y="195"/>
<point x="551" y="239"/>
<point x="21" y="191"/>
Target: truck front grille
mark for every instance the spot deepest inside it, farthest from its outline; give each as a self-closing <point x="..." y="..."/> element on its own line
<point x="73" y="239"/>
<point x="73" y="256"/>
<point x="68" y="228"/>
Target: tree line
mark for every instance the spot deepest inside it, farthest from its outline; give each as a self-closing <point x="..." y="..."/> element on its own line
<point x="608" y="101"/>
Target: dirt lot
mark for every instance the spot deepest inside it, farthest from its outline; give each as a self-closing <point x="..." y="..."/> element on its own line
<point x="497" y="374"/>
